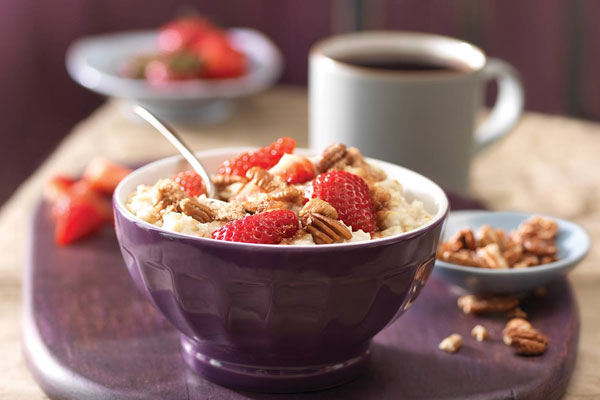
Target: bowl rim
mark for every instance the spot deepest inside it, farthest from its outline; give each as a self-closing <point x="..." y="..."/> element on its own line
<point x="110" y="84"/>
<point x="573" y="259"/>
<point x="437" y="219"/>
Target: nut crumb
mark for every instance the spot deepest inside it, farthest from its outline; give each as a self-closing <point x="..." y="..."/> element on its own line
<point x="451" y="344"/>
<point x="479" y="333"/>
<point x="540" y="291"/>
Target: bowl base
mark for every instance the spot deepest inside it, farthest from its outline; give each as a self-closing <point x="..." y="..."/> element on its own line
<point x="272" y="379"/>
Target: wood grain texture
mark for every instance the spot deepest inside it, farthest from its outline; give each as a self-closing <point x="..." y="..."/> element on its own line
<point x="89" y="334"/>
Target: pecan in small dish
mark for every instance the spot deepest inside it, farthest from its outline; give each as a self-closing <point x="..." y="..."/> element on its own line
<point x="530" y="245"/>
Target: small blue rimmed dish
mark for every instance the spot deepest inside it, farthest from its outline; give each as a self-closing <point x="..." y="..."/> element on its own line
<point x="572" y="242"/>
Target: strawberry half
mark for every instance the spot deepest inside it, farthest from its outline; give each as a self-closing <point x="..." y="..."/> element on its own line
<point x="293" y="168"/>
<point x="265" y="228"/>
<point x="349" y="195"/>
<point x="220" y="58"/>
<point x="181" y="33"/>
<point x="265" y="157"/>
<point x="104" y="175"/>
<point x="80" y="212"/>
<point x="190" y="182"/>
<point x="56" y="187"/>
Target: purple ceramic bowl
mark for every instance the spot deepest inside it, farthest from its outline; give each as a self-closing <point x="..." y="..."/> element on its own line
<point x="277" y="318"/>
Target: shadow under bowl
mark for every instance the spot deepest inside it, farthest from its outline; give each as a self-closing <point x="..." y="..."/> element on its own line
<point x="277" y="318"/>
<point x="572" y="242"/>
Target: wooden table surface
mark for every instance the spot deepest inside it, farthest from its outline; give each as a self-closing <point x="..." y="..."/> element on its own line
<point x="548" y="164"/>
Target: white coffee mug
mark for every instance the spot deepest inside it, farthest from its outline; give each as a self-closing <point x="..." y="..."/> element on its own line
<point x="423" y="119"/>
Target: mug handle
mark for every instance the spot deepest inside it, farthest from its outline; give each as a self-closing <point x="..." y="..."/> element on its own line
<point x="509" y="103"/>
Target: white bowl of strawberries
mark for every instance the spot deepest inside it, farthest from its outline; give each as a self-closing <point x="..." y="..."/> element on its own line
<point x="184" y="71"/>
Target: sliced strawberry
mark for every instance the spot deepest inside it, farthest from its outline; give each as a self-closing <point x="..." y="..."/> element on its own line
<point x="349" y="195"/>
<point x="57" y="186"/>
<point x="293" y="168"/>
<point x="190" y="182"/>
<point x="104" y="175"/>
<point x="265" y="157"/>
<point x="221" y="59"/>
<point x="266" y="228"/>
<point x="79" y="212"/>
<point x="181" y="33"/>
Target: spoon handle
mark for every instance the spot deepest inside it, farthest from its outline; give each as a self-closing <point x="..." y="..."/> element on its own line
<point x="170" y="134"/>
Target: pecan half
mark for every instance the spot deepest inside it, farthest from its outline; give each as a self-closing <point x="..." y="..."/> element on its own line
<point x="318" y="206"/>
<point x="540" y="227"/>
<point x="289" y="194"/>
<point x="540" y="247"/>
<point x="463" y="239"/>
<point x="473" y="304"/>
<point x="523" y="338"/>
<point x="325" y="230"/>
<point x="332" y="154"/>
<point x="193" y="208"/>
<point x="263" y="179"/>
<point x="166" y="195"/>
<point x="460" y="257"/>
<point x="489" y="235"/>
<point x="490" y="257"/>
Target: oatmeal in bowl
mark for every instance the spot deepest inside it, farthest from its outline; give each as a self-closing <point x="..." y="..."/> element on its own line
<point x="275" y="196"/>
<point x="280" y="284"/>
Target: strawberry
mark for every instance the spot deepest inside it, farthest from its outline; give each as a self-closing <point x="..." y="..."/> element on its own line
<point x="79" y="212"/>
<point x="190" y="182"/>
<point x="56" y="187"/>
<point x="221" y="59"/>
<point x="349" y="195"/>
<point x="294" y="169"/>
<point x="179" y="34"/>
<point x="265" y="157"/>
<point x="104" y="175"/>
<point x="265" y="228"/>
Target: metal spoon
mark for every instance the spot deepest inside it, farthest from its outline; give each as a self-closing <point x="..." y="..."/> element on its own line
<point x="169" y="133"/>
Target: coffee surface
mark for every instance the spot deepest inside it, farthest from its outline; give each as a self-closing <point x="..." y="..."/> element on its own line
<point x="396" y="63"/>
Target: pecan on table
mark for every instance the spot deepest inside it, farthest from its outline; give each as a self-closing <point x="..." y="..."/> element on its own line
<point x="474" y="304"/>
<point x="524" y="338"/>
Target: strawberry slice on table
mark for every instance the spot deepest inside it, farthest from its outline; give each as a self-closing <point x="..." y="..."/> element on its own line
<point x="181" y="33"/>
<point x="221" y="59"/>
<point x="80" y="212"/>
<point x="190" y="182"/>
<point x="349" y="195"/>
<point x="265" y="157"/>
<point x="293" y="168"/>
<point x="265" y="228"/>
<point x="104" y="175"/>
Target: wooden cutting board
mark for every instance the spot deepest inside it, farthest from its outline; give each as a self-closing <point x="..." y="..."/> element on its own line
<point x="88" y="334"/>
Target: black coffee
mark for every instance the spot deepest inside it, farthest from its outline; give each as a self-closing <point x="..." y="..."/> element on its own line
<point x="399" y="64"/>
